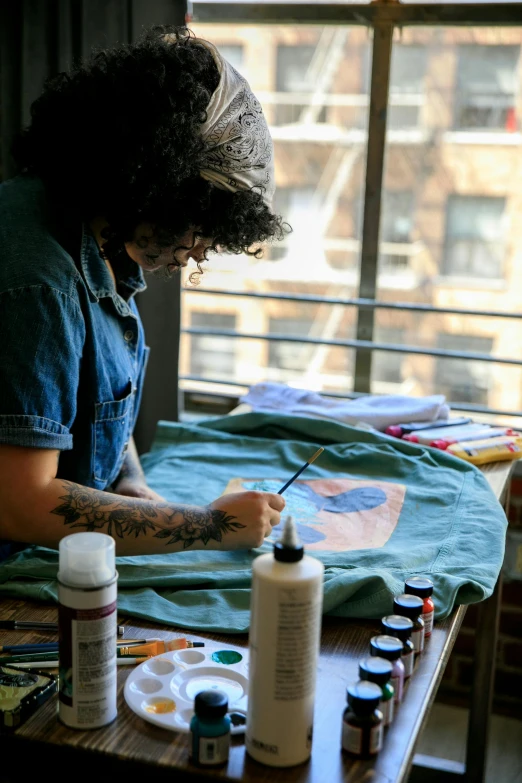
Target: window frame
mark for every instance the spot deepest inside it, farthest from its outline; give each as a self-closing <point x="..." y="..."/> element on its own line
<point x="384" y="18"/>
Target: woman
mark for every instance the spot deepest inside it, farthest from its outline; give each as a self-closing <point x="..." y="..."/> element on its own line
<point x="144" y="157"/>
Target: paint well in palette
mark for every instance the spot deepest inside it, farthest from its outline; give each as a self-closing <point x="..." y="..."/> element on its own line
<point x="228" y="657"/>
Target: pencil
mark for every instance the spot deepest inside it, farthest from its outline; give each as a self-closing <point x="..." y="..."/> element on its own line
<point x="55" y="664"/>
<point x="290" y="481"/>
<point x="32" y="625"/>
<point x="50" y="646"/>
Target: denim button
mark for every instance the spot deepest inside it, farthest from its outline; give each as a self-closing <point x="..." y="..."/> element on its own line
<point x="128" y="336"/>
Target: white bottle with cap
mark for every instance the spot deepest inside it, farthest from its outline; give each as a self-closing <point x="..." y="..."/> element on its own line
<point x="87" y="620"/>
<point x="285" y="626"/>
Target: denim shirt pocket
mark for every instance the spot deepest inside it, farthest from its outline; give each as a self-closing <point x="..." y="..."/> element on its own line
<point x="112" y="430"/>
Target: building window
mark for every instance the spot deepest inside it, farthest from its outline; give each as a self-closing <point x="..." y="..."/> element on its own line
<point x="408" y="71"/>
<point x="387" y="365"/>
<point x="213" y="356"/>
<point x="289" y="356"/>
<point x="475" y="231"/>
<point x="463" y="380"/>
<point x="487" y="85"/>
<point x="233" y="53"/>
<point x="294" y="73"/>
<point x="396" y="227"/>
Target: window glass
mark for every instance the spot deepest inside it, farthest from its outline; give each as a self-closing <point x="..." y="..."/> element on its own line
<point x="487" y="86"/>
<point x="475" y="236"/>
<point x="233" y="53"/>
<point x="464" y="380"/>
<point x="212" y="355"/>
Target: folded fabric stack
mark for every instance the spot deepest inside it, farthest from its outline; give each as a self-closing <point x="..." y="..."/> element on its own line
<point x="378" y="411"/>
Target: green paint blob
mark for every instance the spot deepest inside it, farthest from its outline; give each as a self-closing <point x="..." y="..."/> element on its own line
<point x="227" y="657"/>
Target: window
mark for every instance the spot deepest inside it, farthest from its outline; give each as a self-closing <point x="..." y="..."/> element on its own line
<point x="463" y="380"/>
<point x="408" y="70"/>
<point x="387" y="365"/>
<point x="407" y="76"/>
<point x="233" y="53"/>
<point x="210" y="355"/>
<point x="475" y="242"/>
<point x="487" y="84"/>
<point x="295" y="73"/>
<point x="448" y="247"/>
<point x="289" y="356"/>
<point x="396" y="227"/>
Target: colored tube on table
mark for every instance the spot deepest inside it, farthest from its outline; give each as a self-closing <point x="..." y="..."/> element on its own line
<point x="479" y="452"/>
<point x="398" y="430"/>
<point x="443" y="438"/>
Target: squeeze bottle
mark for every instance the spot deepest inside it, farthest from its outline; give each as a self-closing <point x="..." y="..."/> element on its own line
<point x="87" y="592"/>
<point x="286" y="609"/>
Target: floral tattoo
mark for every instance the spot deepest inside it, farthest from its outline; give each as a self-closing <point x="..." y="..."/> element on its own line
<point x="95" y="510"/>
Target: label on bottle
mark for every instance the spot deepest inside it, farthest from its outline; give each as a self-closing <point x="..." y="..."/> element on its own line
<point x="417" y="639"/>
<point x="428" y="623"/>
<point x="376" y="738"/>
<point x="408" y="660"/>
<point x="214" y="750"/>
<point x="298" y="624"/>
<point x="386" y="707"/>
<point x="352" y="738"/>
<point x="87" y="656"/>
<point x="397" y="683"/>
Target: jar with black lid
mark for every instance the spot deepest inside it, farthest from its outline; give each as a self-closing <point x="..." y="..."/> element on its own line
<point x="362" y="728"/>
<point x="401" y="627"/>
<point x="411" y="606"/>
<point x="390" y="647"/>
<point x="379" y="671"/>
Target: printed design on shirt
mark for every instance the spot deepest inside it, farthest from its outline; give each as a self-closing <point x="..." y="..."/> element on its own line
<point x="335" y="514"/>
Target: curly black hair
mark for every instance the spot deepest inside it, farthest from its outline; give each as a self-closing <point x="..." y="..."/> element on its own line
<point x="118" y="136"/>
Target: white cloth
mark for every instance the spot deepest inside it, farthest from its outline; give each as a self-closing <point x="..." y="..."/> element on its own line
<point x="240" y="149"/>
<point x="379" y="411"/>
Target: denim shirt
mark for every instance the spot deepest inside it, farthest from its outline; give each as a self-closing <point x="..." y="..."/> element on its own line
<point x="72" y="349"/>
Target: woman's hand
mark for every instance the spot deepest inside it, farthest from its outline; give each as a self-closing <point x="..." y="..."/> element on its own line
<point x="136" y="488"/>
<point x="246" y="518"/>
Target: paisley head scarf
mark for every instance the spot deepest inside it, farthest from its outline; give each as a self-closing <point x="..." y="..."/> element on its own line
<point x="240" y="152"/>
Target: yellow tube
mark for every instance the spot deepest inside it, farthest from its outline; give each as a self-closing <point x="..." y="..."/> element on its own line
<point x="479" y="452"/>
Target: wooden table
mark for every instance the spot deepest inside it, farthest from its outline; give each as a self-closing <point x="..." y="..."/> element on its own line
<point x="134" y="750"/>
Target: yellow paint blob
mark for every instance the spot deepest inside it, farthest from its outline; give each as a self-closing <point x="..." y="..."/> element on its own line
<point x="161" y="707"/>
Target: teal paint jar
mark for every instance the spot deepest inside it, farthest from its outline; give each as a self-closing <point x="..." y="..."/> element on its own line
<point x="210" y="729"/>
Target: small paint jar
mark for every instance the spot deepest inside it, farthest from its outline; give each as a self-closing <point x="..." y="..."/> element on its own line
<point x="423" y="587"/>
<point x="362" y="726"/>
<point x="411" y="606"/>
<point x="210" y="729"/>
<point x="379" y="671"/>
<point x="401" y="627"/>
<point x="389" y="647"/>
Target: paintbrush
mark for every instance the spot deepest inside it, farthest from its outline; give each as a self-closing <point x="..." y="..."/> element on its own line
<point x="158" y="647"/>
<point x="36" y="647"/>
<point x="290" y="481"/>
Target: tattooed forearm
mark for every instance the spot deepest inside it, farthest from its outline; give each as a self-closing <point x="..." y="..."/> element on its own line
<point x="92" y="509"/>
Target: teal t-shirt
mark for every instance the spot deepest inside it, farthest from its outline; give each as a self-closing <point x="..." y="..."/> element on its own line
<point x="375" y="510"/>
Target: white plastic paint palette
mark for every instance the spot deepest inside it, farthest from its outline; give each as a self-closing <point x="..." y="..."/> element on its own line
<point x="162" y="689"/>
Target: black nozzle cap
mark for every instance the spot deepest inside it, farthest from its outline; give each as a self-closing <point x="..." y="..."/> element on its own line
<point x="288" y="554"/>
